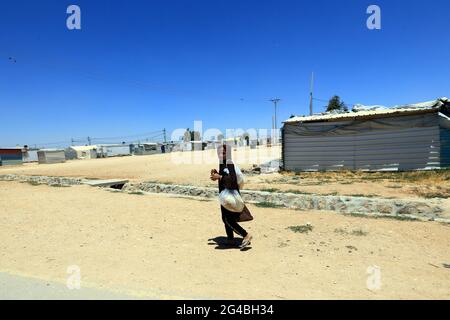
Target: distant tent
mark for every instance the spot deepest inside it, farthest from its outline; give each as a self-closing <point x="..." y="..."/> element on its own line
<point x="114" y="150"/>
<point x="70" y="153"/>
<point x="85" y="152"/>
<point x="51" y="156"/>
<point x="146" y="149"/>
<point x="30" y="155"/>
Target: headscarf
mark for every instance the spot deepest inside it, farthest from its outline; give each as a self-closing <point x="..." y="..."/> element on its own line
<point x="226" y="156"/>
<point x="227" y="163"/>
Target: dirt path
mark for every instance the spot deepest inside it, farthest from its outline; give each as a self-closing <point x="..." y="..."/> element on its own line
<point x="176" y="167"/>
<point x="14" y="287"/>
<point x="147" y="245"/>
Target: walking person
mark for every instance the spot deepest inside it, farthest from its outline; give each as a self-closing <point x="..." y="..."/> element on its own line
<point x="226" y="177"/>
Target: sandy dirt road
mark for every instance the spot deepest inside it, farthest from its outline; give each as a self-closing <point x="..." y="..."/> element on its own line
<point x="14" y="287"/>
<point x="177" y="167"/>
<point x="159" y="246"/>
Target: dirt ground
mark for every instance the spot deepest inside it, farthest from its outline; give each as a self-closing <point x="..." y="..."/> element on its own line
<point x="157" y="245"/>
<point x="177" y="167"/>
<point x="193" y="168"/>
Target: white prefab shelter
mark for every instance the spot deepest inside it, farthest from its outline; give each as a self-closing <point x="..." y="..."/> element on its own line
<point x="71" y="154"/>
<point x="410" y="137"/>
<point x="147" y="148"/>
<point x="30" y="156"/>
<point x="114" y="150"/>
<point x="85" y="152"/>
<point x="51" y="156"/>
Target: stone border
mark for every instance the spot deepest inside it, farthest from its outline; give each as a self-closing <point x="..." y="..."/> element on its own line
<point x="415" y="209"/>
<point x="51" y="181"/>
<point x="402" y="208"/>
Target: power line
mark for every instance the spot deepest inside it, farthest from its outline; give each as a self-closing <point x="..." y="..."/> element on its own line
<point x="147" y="135"/>
<point x="137" y="83"/>
<point x="156" y="137"/>
<point x="129" y="136"/>
<point x="157" y="87"/>
<point x="50" y="143"/>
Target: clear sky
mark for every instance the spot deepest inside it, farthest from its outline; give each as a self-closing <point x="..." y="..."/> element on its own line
<point x="141" y="66"/>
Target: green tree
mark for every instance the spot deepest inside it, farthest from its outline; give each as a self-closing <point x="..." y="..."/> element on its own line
<point x="335" y="104"/>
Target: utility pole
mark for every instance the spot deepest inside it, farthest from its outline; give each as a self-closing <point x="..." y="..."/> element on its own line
<point x="275" y="103"/>
<point x="311" y="95"/>
<point x="274" y="135"/>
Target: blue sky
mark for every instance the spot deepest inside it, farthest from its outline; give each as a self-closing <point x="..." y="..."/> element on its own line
<point x="141" y="66"/>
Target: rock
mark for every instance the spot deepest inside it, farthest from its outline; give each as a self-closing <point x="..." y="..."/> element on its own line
<point x="414" y="209"/>
<point x="384" y="208"/>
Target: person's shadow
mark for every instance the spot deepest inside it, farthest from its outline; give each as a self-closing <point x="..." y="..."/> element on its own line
<point x="222" y="244"/>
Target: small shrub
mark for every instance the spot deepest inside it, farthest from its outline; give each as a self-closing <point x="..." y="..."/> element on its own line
<point x="201" y="200"/>
<point x="340" y="231"/>
<point x="431" y="195"/>
<point x="58" y="185"/>
<point x="33" y="183"/>
<point x="297" y="191"/>
<point x="400" y="218"/>
<point x="266" y="204"/>
<point x="301" y="229"/>
<point x="359" y="233"/>
<point x="140" y="193"/>
<point x="271" y="190"/>
<point x="394" y="186"/>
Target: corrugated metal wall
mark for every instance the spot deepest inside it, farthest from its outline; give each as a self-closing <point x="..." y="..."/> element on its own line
<point x="51" y="156"/>
<point x="30" y="156"/>
<point x="10" y="157"/>
<point x="374" y="149"/>
<point x="119" y="150"/>
<point x="445" y="147"/>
